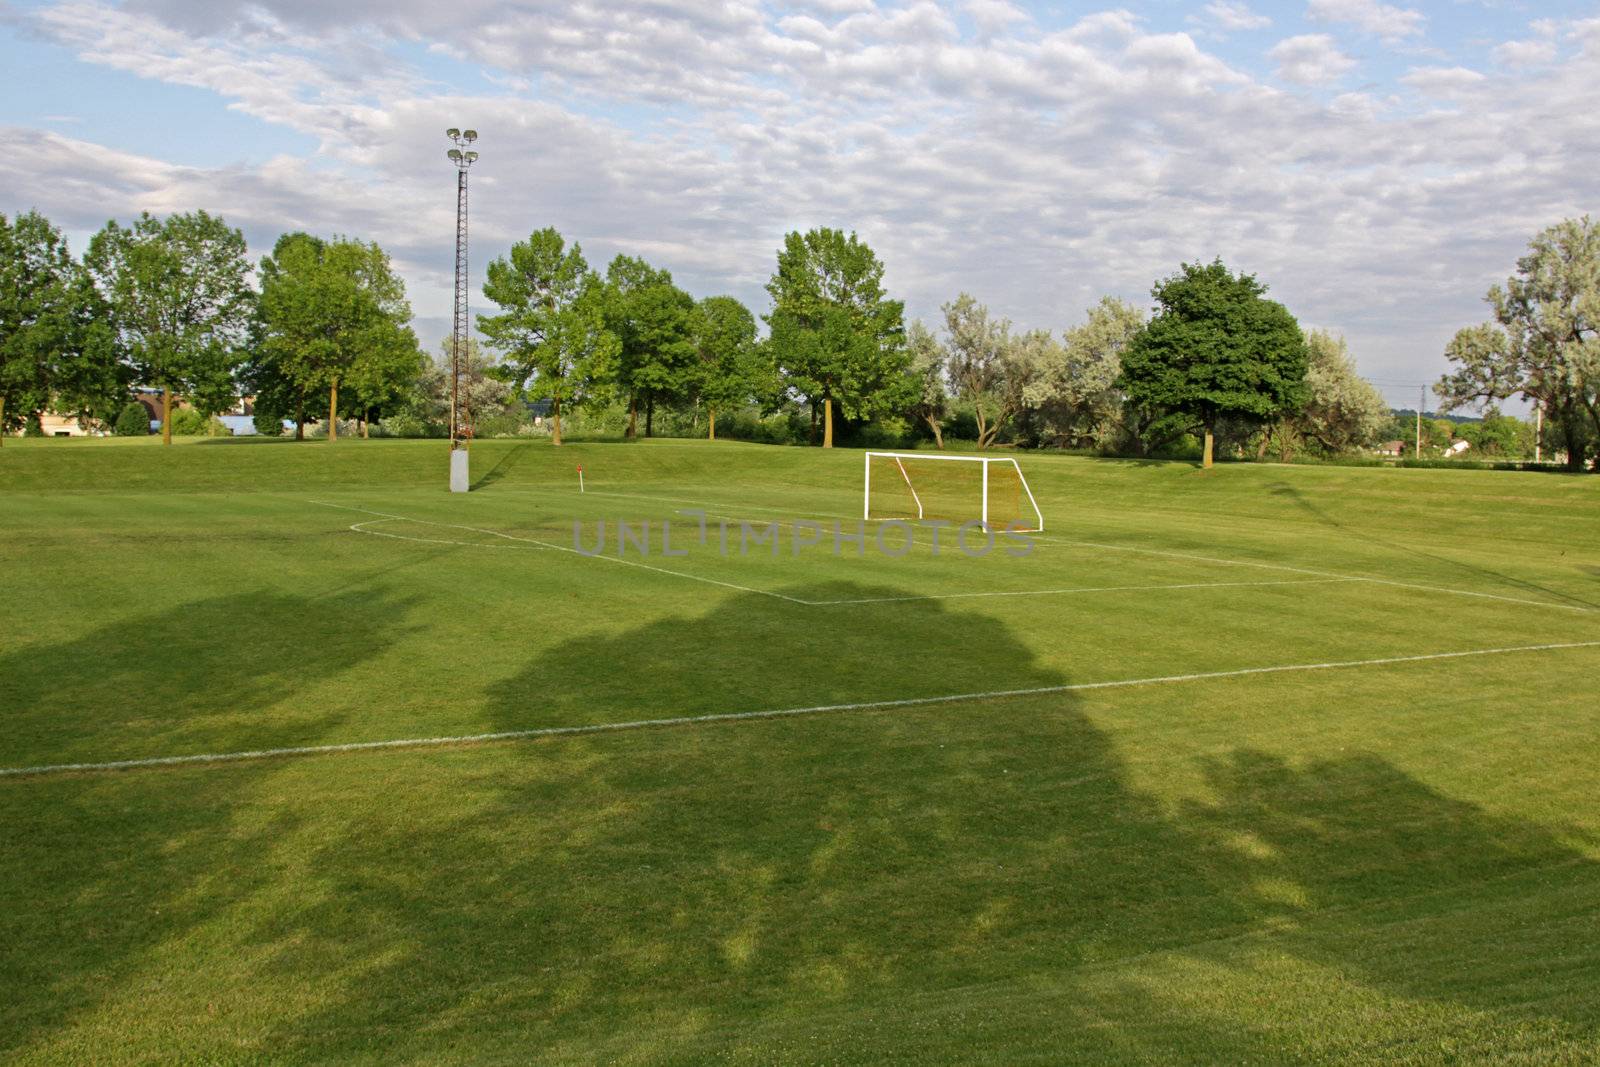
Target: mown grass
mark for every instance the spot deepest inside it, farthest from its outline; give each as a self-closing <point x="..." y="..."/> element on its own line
<point x="1391" y="863"/>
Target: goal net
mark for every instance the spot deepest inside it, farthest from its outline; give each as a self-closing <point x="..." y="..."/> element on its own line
<point x="923" y="485"/>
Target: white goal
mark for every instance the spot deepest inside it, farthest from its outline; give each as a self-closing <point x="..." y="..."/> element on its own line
<point x="932" y="485"/>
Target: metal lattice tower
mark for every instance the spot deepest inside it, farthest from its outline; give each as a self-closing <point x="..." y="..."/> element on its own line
<point x="462" y="157"/>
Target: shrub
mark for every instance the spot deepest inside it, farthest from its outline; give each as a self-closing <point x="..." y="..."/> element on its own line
<point x="132" y="421"/>
<point x="406" y="424"/>
<point x="187" y="422"/>
<point x="267" y="425"/>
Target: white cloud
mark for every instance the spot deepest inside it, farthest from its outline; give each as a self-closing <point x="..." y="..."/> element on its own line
<point x="992" y="16"/>
<point x="1035" y="169"/>
<point x="1381" y="20"/>
<point x="1443" y="81"/>
<point x="1310" y="59"/>
<point x="1232" y="15"/>
<point x="1533" y="53"/>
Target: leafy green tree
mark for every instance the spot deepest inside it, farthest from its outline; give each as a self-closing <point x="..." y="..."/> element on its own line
<point x="728" y="367"/>
<point x="1545" y="340"/>
<point x="1076" y="387"/>
<point x="179" y="300"/>
<point x="930" y="398"/>
<point x="132" y="421"/>
<point x="1343" y="412"/>
<point x="1217" y="349"/>
<point x="835" y="333"/>
<point x="551" y="327"/>
<point x="1498" y="436"/>
<point x="53" y="352"/>
<point x="653" y="321"/>
<point x="334" y="312"/>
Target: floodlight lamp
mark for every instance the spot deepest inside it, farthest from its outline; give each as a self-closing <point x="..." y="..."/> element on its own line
<point x="472" y="157"/>
<point x="454" y="153"/>
<point x="470" y="135"/>
<point x="452" y="133"/>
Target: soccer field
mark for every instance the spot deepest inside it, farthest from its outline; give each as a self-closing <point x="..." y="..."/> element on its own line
<point x="1263" y="764"/>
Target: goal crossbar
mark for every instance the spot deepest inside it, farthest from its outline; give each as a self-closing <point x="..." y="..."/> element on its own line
<point x="988" y="463"/>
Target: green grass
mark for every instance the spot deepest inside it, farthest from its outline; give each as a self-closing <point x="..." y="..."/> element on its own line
<point x="1387" y="863"/>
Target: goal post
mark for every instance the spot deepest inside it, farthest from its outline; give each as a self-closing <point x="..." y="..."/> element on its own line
<point x="931" y="485"/>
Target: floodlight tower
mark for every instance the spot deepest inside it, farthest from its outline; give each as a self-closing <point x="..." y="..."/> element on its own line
<point x="460" y="421"/>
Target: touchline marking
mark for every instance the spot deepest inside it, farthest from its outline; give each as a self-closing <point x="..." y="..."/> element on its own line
<point x="1324" y="574"/>
<point x="1083" y="589"/>
<point x="575" y="552"/>
<point x="776" y="713"/>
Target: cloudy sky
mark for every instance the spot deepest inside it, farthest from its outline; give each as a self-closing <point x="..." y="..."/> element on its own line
<point x="1377" y="164"/>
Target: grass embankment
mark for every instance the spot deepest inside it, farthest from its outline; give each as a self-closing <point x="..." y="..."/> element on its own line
<point x="1387" y="863"/>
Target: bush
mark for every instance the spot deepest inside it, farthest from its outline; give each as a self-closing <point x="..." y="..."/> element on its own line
<point x="406" y="424"/>
<point x="267" y="425"/>
<point x="508" y="424"/>
<point x="132" y="421"/>
<point x="187" y="422"/>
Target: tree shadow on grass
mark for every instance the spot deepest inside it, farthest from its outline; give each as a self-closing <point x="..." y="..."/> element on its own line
<point x="101" y="873"/>
<point x="850" y="885"/>
<point x="191" y="678"/>
<point x="1373" y="873"/>
<point x="503" y="466"/>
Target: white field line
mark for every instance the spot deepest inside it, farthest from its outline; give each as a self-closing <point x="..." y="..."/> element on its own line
<point x="1082" y="589"/>
<point x="361" y="527"/>
<point x="1324" y="574"/>
<point x="582" y="555"/>
<point x="1328" y="576"/>
<point x="775" y="713"/>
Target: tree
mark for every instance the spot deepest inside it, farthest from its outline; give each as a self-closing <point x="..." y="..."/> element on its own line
<point x="930" y="400"/>
<point x="551" y="327"/>
<point x="1343" y="412"/>
<point x="834" y="332"/>
<point x="1076" y="388"/>
<point x="1498" y="436"/>
<point x="727" y="370"/>
<point x="653" y="321"/>
<point x="1545" y="340"/>
<point x="334" y="312"/>
<point x="179" y="300"/>
<point x="35" y="313"/>
<point x="978" y="349"/>
<point x="1217" y="349"/>
<point x="55" y="347"/>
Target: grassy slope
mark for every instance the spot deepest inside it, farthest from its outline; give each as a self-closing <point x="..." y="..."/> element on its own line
<point x="1392" y="863"/>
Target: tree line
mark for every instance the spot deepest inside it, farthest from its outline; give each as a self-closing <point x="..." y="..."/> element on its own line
<point x="322" y="326"/>
<point x="172" y="305"/>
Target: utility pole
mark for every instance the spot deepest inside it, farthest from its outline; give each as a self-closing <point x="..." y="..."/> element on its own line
<point x="1538" y="431"/>
<point x="460" y="425"/>
<point x="1422" y="396"/>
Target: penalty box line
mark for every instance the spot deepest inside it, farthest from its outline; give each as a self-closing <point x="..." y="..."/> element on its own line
<point x="775" y="713"/>
<point x="361" y="527"/>
<point x="1194" y="557"/>
<point x="564" y="548"/>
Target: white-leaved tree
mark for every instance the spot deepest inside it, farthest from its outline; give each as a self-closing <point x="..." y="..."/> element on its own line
<point x="1343" y="412"/>
<point x="1075" y="390"/>
<point x="988" y="366"/>
<point x="1545" y="341"/>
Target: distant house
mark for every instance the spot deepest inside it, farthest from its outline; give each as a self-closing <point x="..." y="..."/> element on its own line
<point x="239" y="418"/>
<point x="1392" y="448"/>
<point x="55" y="425"/>
<point x="1457" y="448"/>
